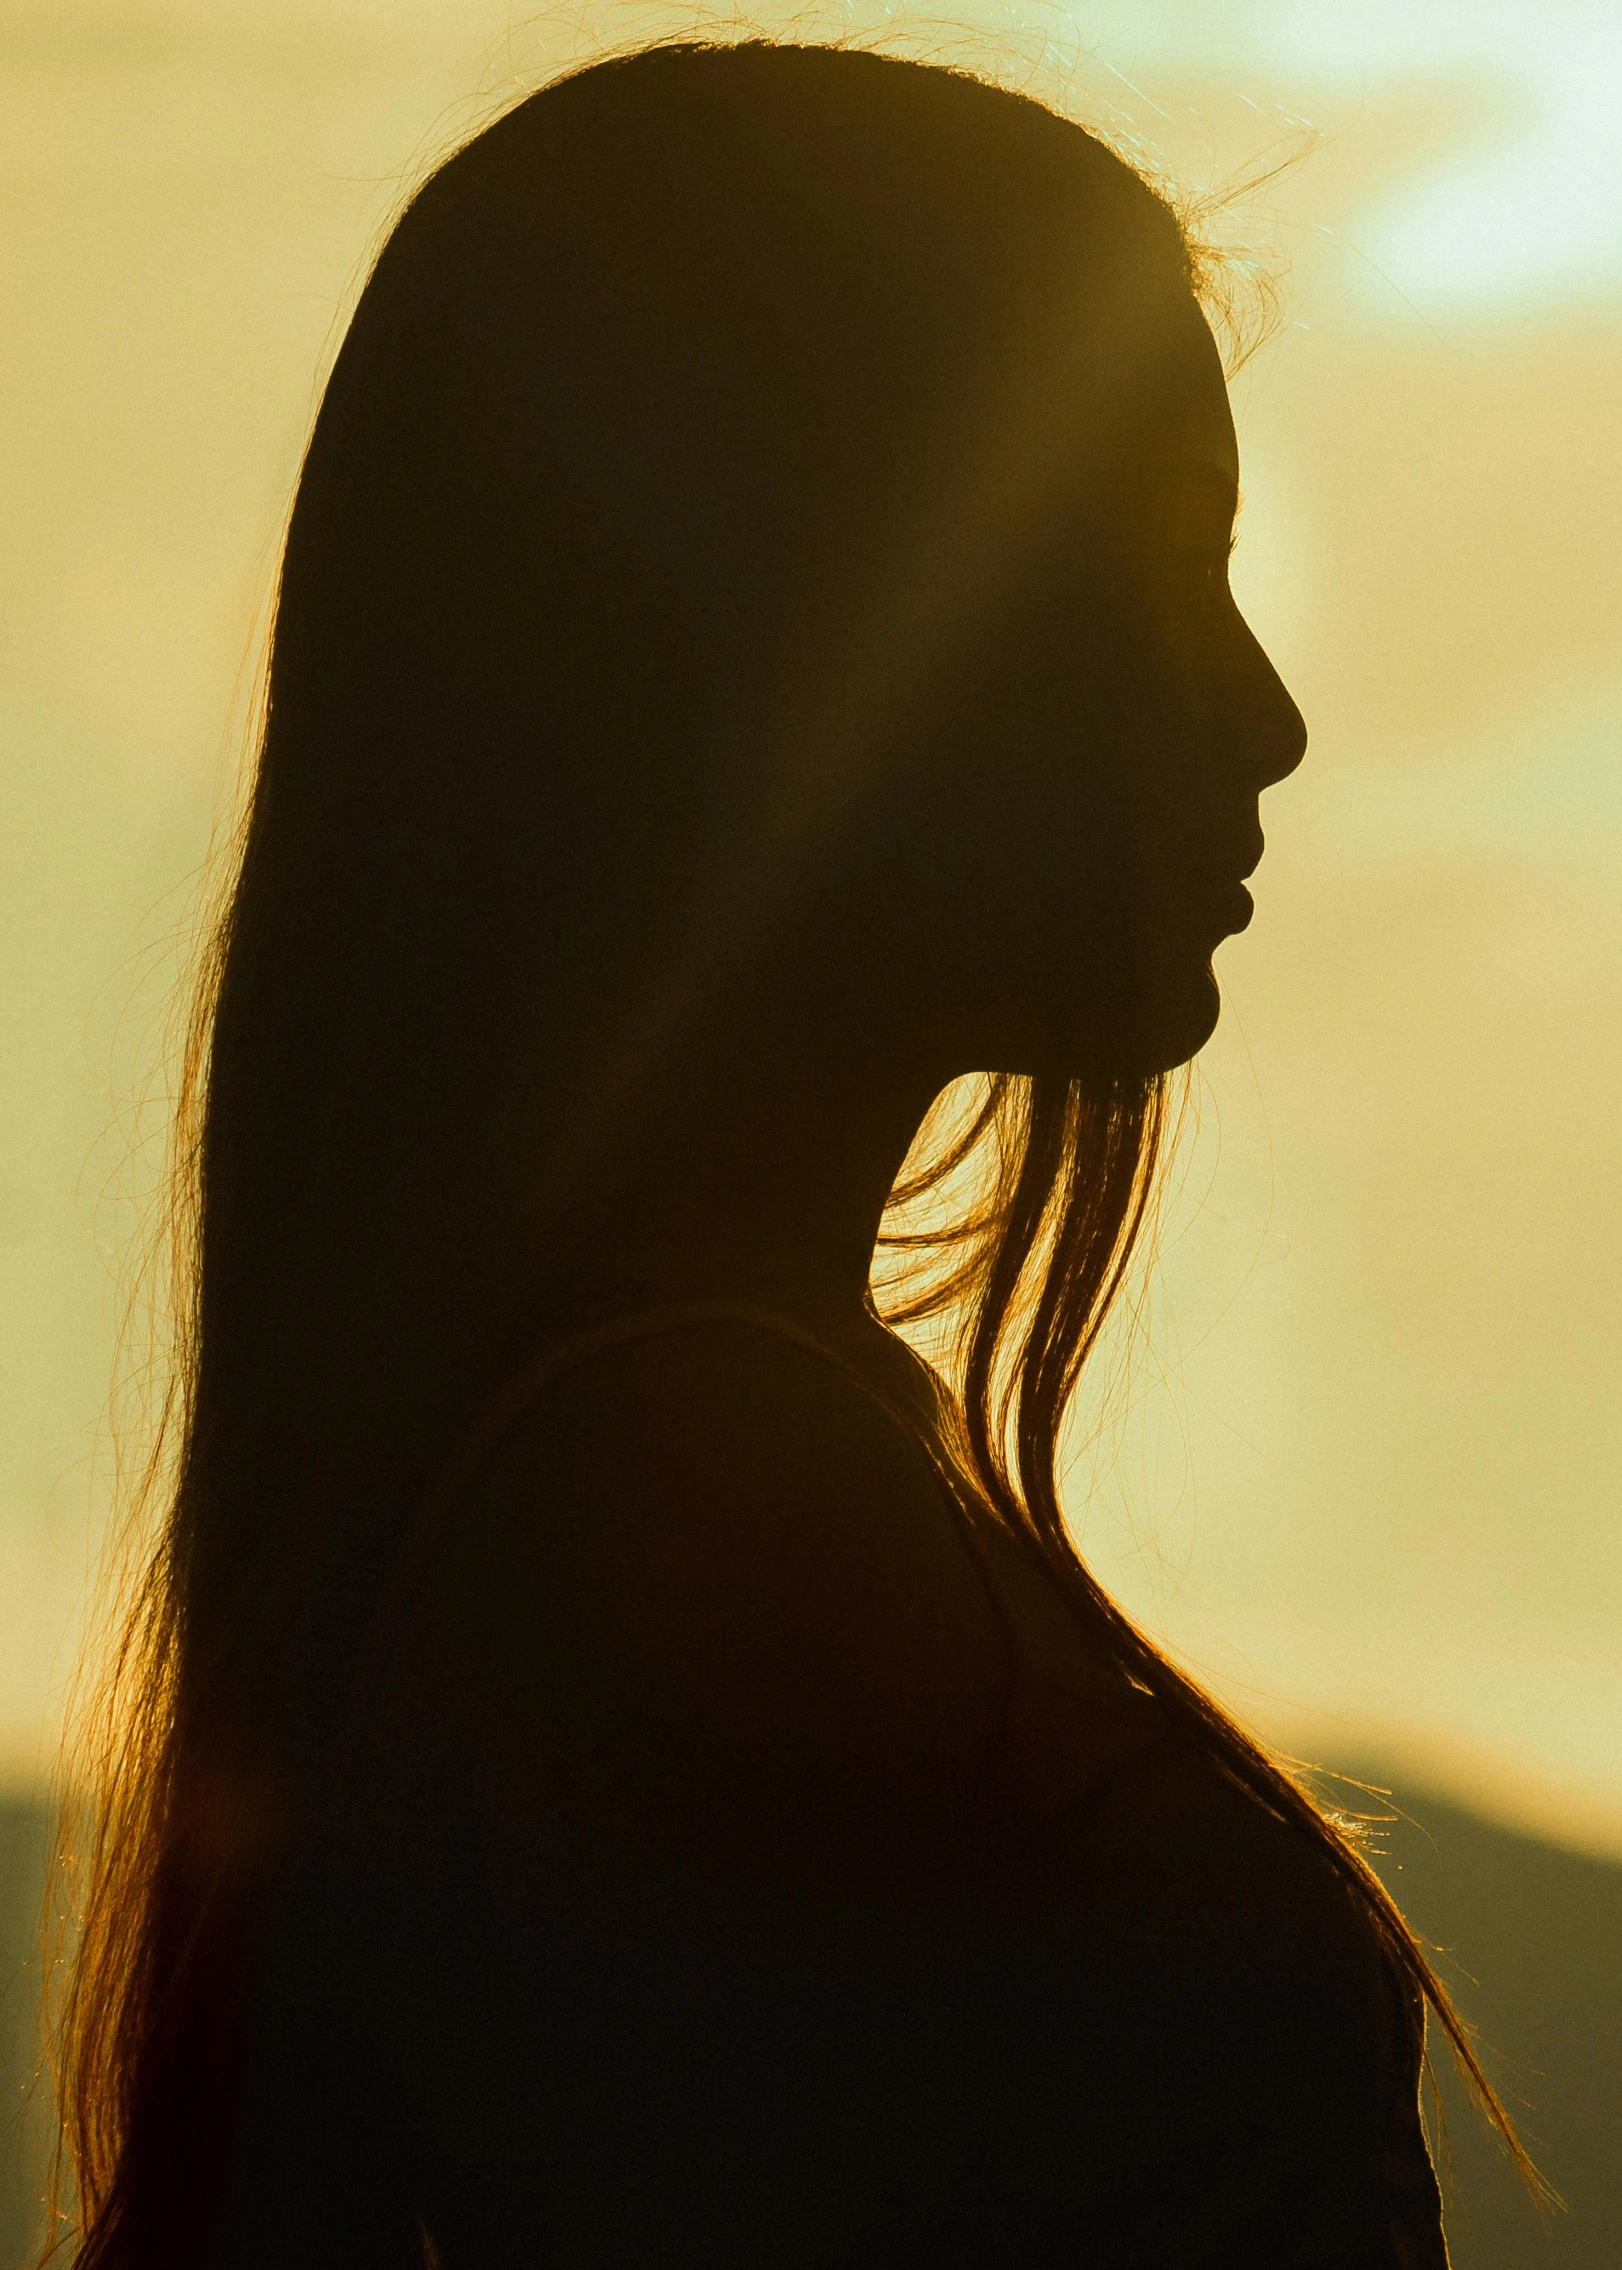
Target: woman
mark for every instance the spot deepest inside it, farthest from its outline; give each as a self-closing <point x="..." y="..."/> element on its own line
<point x="626" y="1766"/>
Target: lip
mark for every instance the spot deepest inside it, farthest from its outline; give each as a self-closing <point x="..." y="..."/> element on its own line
<point x="1234" y="904"/>
<point x="1240" y="907"/>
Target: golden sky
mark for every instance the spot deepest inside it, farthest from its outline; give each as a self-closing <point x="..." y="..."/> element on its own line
<point x="1368" y="1479"/>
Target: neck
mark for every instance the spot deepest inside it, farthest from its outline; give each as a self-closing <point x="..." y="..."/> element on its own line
<point x="760" y="1179"/>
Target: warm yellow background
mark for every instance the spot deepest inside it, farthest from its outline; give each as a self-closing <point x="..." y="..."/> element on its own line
<point x="1369" y="1481"/>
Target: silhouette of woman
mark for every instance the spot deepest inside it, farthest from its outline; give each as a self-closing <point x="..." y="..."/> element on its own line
<point x="624" y="1766"/>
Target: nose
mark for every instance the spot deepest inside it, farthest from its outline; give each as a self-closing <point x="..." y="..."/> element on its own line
<point x="1276" y="732"/>
<point x="1282" y="743"/>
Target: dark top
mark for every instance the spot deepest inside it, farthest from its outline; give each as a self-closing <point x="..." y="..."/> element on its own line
<point x="741" y="1860"/>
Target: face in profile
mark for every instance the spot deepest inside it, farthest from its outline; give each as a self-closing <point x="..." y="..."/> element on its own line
<point x="1217" y="724"/>
<point x="1094" y="850"/>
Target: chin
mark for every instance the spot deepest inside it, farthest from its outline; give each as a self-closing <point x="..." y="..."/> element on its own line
<point x="1186" y="1029"/>
<point x="1121" y="1030"/>
<point x="1164" y="1027"/>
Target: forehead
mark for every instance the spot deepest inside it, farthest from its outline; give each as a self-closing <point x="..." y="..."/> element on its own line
<point x="1198" y="430"/>
<point x="1140" y="403"/>
<point x="1153" y="390"/>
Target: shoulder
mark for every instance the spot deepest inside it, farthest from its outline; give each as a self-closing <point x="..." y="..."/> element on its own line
<point x="727" y="1473"/>
<point x="705" y="1592"/>
<point x="724" y="1412"/>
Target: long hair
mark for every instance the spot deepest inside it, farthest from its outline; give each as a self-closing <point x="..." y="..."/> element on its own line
<point x="601" y="603"/>
<point x="1032" y="1267"/>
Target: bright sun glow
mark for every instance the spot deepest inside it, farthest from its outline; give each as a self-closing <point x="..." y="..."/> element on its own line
<point x="1525" y="200"/>
<point x="1541" y="211"/>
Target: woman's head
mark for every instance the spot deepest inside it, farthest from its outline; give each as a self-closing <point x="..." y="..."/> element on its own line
<point x="766" y="527"/>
